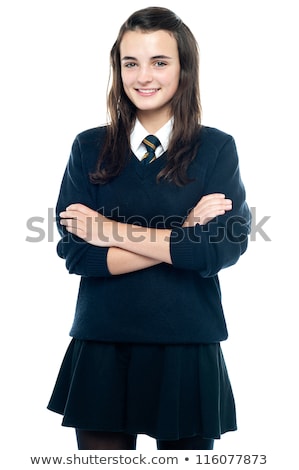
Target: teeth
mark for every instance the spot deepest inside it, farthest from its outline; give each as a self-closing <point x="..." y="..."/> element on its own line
<point x="147" y="91"/>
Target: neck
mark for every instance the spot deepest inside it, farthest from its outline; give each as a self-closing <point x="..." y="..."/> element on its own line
<point x="151" y="121"/>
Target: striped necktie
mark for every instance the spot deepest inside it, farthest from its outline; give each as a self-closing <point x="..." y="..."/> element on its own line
<point x="151" y="142"/>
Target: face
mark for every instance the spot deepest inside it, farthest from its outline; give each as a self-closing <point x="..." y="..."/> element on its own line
<point x="150" y="70"/>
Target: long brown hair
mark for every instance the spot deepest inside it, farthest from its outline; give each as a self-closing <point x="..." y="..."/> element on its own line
<point x="185" y="104"/>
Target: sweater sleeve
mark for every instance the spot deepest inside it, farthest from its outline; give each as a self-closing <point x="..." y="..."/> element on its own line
<point x="81" y="257"/>
<point x="218" y="244"/>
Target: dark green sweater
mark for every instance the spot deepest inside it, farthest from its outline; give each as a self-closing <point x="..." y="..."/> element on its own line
<point x="178" y="303"/>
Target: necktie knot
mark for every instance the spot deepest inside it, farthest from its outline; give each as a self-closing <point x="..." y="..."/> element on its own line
<point x="151" y="142"/>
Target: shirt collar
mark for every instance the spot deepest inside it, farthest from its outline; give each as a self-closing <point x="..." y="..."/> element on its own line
<point x="139" y="133"/>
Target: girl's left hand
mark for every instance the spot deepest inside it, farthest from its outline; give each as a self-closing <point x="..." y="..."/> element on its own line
<point x="87" y="224"/>
<point x="207" y="208"/>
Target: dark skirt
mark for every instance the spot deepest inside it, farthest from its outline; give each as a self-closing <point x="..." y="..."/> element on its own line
<point x="165" y="391"/>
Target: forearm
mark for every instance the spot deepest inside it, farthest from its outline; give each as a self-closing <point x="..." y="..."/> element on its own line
<point x="149" y="245"/>
<point x="146" y="242"/>
<point x="155" y="243"/>
<point x="120" y="261"/>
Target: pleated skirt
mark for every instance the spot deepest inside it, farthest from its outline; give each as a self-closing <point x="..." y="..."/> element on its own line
<point x="165" y="391"/>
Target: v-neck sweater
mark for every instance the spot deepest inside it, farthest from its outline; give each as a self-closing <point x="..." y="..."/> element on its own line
<point x="167" y="303"/>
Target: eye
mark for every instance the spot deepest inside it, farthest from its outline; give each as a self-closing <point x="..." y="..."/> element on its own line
<point x="130" y="65"/>
<point x="160" y="63"/>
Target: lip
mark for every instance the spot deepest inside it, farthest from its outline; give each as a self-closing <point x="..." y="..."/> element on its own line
<point x="147" y="91"/>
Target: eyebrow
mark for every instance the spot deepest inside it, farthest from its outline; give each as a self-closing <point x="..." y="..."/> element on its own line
<point x="160" y="56"/>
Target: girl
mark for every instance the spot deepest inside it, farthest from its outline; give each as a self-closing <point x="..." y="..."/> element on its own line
<point x="151" y="208"/>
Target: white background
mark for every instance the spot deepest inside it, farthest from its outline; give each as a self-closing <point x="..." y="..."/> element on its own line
<point x="54" y="72"/>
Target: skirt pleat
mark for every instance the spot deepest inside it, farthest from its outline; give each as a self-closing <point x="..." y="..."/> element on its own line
<point x="165" y="391"/>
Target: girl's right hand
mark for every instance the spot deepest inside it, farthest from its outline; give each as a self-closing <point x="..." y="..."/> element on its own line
<point x="208" y="207"/>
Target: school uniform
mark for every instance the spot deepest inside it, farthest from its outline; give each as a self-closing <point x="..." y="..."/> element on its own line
<point x="145" y="355"/>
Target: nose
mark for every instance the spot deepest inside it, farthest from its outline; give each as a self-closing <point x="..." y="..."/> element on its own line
<point x="144" y="74"/>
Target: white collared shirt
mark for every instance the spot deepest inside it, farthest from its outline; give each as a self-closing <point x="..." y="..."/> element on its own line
<point x="139" y="133"/>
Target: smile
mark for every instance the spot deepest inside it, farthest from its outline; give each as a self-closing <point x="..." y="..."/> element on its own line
<point x="147" y="91"/>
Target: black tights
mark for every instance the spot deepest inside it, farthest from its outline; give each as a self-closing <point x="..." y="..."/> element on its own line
<point x="188" y="443"/>
<point x="96" y="440"/>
